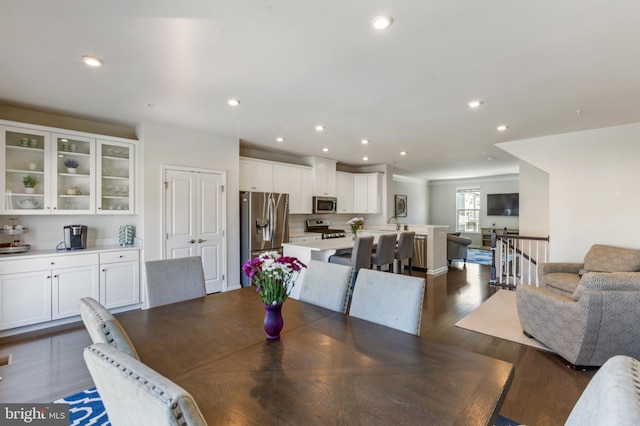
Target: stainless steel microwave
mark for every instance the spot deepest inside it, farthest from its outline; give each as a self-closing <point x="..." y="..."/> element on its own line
<point x="325" y="204"/>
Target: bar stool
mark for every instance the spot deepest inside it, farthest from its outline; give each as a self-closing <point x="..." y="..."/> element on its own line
<point x="385" y="251"/>
<point x="405" y="250"/>
<point x="358" y="258"/>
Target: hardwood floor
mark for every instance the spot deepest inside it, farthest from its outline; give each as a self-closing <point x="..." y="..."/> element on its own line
<point x="47" y="366"/>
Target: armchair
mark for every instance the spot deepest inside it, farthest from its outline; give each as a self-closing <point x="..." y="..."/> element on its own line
<point x="457" y="247"/>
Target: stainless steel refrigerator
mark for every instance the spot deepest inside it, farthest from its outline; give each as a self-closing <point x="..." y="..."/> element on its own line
<point x="264" y="225"/>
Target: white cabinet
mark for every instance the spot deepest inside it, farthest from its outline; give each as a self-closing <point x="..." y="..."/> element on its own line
<point x="366" y="193"/>
<point x="256" y="175"/>
<point x="119" y="278"/>
<point x="297" y="182"/>
<point x="344" y="192"/>
<point x="70" y="284"/>
<point x="324" y="177"/>
<point x="73" y="173"/>
<point x="305" y="238"/>
<point x="25" y="298"/>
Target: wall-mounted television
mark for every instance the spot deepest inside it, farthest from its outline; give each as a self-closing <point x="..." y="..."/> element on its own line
<point x="503" y="204"/>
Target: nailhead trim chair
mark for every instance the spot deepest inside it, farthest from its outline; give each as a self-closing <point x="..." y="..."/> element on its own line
<point x="327" y="285"/>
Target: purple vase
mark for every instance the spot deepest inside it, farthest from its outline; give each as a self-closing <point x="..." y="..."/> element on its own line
<point x="273" y="321"/>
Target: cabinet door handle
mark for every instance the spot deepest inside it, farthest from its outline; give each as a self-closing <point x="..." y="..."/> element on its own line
<point x="48" y="276"/>
<point x="121" y="256"/>
<point x="201" y="241"/>
<point x="55" y="276"/>
<point x="191" y="241"/>
<point x="104" y="270"/>
<point x="53" y="263"/>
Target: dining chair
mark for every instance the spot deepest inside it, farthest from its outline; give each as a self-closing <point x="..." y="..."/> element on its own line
<point x="327" y="285"/>
<point x="103" y="327"/>
<point x="134" y="394"/>
<point x="359" y="257"/>
<point x="385" y="251"/>
<point x="391" y="300"/>
<point x="404" y="251"/>
<point x="174" y="280"/>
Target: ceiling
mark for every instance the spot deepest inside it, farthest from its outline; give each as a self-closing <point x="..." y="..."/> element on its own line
<point x="295" y="64"/>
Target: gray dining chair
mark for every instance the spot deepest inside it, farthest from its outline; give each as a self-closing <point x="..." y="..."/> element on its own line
<point x="174" y="280"/>
<point x="385" y="252"/>
<point x="359" y="257"/>
<point x="391" y="300"/>
<point x="327" y="285"/>
<point x="404" y="251"/>
<point x="103" y="327"/>
<point x="134" y="394"/>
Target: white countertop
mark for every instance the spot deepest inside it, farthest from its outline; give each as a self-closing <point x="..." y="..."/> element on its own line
<point x="322" y="245"/>
<point x="54" y="252"/>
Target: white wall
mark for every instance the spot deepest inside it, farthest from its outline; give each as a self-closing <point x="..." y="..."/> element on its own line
<point x="417" y="192"/>
<point x="593" y="187"/>
<point x="169" y="145"/>
<point x="534" y="201"/>
<point x="442" y="202"/>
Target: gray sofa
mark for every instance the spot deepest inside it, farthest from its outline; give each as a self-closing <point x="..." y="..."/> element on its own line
<point x="457" y="247"/>
<point x="586" y="312"/>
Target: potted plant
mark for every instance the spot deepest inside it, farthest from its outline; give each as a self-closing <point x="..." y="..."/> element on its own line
<point x="72" y="165"/>
<point x="30" y="183"/>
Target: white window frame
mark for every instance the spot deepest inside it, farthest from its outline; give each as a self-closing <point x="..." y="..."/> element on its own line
<point x="462" y="226"/>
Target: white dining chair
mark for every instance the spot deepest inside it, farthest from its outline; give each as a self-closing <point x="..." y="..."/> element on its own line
<point x="387" y="299"/>
<point x="134" y="394"/>
<point x="327" y="285"/>
<point x="174" y="280"/>
<point x="103" y="327"/>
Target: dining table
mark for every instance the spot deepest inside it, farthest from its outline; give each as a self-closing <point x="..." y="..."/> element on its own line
<point x="327" y="367"/>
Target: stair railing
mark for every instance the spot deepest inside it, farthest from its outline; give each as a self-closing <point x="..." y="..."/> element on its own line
<point x="515" y="259"/>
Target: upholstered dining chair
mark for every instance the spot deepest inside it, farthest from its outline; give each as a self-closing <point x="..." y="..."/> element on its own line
<point x="103" y="327"/>
<point x="134" y="394"/>
<point x="359" y="257"/>
<point x="385" y="251"/>
<point x="174" y="280"/>
<point x="391" y="300"/>
<point x="405" y="251"/>
<point x="327" y="285"/>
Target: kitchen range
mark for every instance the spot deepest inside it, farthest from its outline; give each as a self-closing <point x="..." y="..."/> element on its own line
<point x="322" y="226"/>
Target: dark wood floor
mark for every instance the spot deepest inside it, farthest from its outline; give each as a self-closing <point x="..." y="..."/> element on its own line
<point x="48" y="366"/>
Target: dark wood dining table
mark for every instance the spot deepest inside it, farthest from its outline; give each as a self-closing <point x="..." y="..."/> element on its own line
<point x="327" y="368"/>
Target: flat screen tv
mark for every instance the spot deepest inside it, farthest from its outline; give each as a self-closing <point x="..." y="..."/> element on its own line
<point x="503" y="204"/>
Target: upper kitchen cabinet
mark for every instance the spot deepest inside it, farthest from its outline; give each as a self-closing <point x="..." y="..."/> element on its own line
<point x="344" y="192"/>
<point x="324" y="176"/>
<point x="25" y="175"/>
<point x="366" y="193"/>
<point x="256" y="175"/>
<point x="50" y="172"/>
<point x="115" y="176"/>
<point x="297" y="182"/>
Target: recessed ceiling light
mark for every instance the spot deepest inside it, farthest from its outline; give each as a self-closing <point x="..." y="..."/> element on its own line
<point x="474" y="103"/>
<point x="233" y="102"/>
<point x="279" y="139"/>
<point x="365" y="158"/>
<point x="382" y="22"/>
<point x="319" y="128"/>
<point x="403" y="152"/>
<point x="502" y="128"/>
<point x="364" y="141"/>
<point x="325" y="149"/>
<point x="490" y="158"/>
<point x="92" y="61"/>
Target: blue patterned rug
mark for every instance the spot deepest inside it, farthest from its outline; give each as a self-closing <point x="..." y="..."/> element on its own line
<point x="85" y="408"/>
<point x="482" y="257"/>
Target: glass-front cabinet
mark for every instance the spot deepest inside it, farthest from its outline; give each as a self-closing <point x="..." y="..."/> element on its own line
<point x="115" y="177"/>
<point x="24" y="171"/>
<point x="56" y="173"/>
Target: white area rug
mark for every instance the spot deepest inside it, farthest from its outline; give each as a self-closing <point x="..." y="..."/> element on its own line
<point x="498" y="317"/>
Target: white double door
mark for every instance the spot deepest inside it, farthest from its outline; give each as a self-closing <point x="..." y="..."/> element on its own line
<point x="195" y="221"/>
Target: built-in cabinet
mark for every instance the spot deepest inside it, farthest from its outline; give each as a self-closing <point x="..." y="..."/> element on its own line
<point x="366" y="193"/>
<point x="295" y="181"/>
<point x="345" y="192"/>
<point x="50" y="172"/>
<point x="324" y="177"/>
<point x="37" y="289"/>
<point x="256" y="175"/>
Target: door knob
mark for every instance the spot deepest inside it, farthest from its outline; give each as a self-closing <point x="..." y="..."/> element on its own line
<point x="201" y="241"/>
<point x="192" y="241"/>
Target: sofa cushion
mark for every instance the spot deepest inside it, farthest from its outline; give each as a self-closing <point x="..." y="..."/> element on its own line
<point x="562" y="282"/>
<point x="603" y="258"/>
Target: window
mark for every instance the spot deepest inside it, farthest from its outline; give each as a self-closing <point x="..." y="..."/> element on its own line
<point x="468" y="209"/>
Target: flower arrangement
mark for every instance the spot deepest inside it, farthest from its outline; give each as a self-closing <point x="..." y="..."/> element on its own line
<point x="273" y="276"/>
<point x="30" y="181"/>
<point x="71" y="163"/>
<point x="355" y="224"/>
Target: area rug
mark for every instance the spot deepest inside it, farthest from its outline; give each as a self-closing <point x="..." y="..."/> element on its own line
<point x="482" y="257"/>
<point x="498" y="317"/>
<point x="86" y="409"/>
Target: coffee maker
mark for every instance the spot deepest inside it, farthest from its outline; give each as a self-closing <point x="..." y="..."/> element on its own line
<point x="75" y="237"/>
